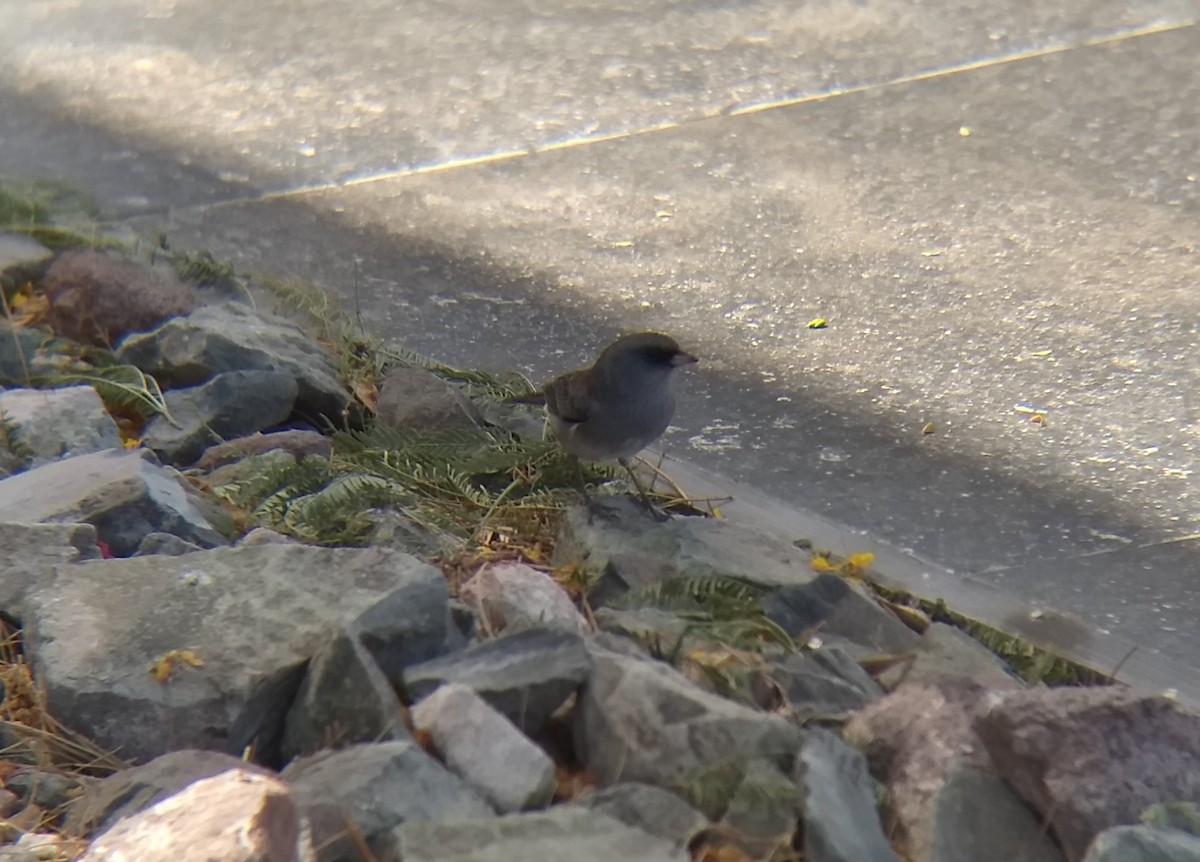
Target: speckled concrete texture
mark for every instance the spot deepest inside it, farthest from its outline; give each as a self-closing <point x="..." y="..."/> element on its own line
<point x="995" y="206"/>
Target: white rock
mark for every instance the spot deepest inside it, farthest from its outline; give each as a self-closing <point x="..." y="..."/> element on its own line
<point x="58" y="423"/>
<point x="485" y="749"/>
<point x="237" y="816"/>
<point x="514" y="596"/>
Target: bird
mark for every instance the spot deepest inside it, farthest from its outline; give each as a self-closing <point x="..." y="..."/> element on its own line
<point x="619" y="405"/>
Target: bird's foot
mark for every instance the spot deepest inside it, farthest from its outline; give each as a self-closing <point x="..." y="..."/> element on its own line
<point x="657" y="513"/>
<point x="602" y="510"/>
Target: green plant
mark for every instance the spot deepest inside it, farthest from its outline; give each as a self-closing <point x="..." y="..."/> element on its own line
<point x="52" y="212"/>
<point x="450" y="483"/>
<point x="724" y="610"/>
<point x="11" y="444"/>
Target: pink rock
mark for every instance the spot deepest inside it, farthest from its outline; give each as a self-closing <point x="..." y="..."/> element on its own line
<point x="913" y="738"/>
<point x="1092" y="758"/>
<point x="237" y="816"/>
<point x="945" y="799"/>
<point x="97" y="299"/>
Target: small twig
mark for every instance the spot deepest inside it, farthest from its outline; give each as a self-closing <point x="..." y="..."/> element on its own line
<point x="1112" y="677"/>
<point x="586" y="606"/>
<point x="499" y="499"/>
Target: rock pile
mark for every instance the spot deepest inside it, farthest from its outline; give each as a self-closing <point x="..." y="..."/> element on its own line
<point x="276" y="700"/>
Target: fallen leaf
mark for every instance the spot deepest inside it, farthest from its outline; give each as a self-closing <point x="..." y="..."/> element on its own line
<point x="164" y="667"/>
<point x="821" y="563"/>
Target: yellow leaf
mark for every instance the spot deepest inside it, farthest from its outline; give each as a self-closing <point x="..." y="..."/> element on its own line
<point x="818" y="323"/>
<point x="165" y="666"/>
<point x="858" y="563"/>
<point x="822" y="564"/>
<point x="914" y="618"/>
<point x="367" y="393"/>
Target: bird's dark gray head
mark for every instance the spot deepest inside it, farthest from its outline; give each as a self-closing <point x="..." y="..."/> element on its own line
<point x="649" y="349"/>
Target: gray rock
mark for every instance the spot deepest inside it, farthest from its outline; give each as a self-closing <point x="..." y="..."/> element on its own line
<point x="652" y="627"/>
<point x="946" y="654"/>
<point x="631" y="550"/>
<point x="237" y="816"/>
<point x="165" y="545"/>
<point x="47" y="790"/>
<point x="232" y="404"/>
<point x="825" y="683"/>
<point x="414" y="399"/>
<point x="18" y="349"/>
<point x="58" y="423"/>
<point x="1143" y="844"/>
<point x="976" y="816"/>
<point x="485" y="749"/>
<point x="410" y="625"/>
<point x="463" y="619"/>
<point x="38" y="847"/>
<point x="841" y="823"/>
<point x="641" y="720"/>
<point x="1045" y="743"/>
<point x="650" y="809"/>
<point x="919" y="738"/>
<point x="97" y="299"/>
<point x="125" y="793"/>
<point x="265" y="536"/>
<point x="838" y="608"/>
<point x="377" y="788"/>
<point x="565" y="832"/>
<point x="234" y="476"/>
<point x="608" y="642"/>
<point x="252" y="615"/>
<point x="345" y="698"/>
<point x="124" y="494"/>
<point x="513" y="596"/>
<point x="526" y="676"/>
<point x="215" y="339"/>
<point x="31" y="551"/>
<point x="296" y="441"/>
<point x="392" y="529"/>
<point x="763" y="812"/>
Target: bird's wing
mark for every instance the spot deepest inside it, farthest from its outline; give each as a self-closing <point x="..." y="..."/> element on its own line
<point x="567" y="397"/>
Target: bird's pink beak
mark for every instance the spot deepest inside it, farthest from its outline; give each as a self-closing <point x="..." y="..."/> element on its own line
<point x="682" y="358"/>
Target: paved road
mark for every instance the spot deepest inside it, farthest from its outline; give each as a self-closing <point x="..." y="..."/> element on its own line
<point x="992" y="204"/>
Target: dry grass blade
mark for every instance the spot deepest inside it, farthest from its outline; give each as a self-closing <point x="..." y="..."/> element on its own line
<point x="40" y="739"/>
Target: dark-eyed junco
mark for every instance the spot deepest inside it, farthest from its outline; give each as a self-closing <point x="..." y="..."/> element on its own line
<point x="618" y="406"/>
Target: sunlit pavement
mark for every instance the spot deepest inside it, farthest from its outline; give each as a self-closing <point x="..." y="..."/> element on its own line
<point x="995" y="207"/>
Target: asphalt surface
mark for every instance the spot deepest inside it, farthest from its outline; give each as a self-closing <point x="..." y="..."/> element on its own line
<point x="994" y="206"/>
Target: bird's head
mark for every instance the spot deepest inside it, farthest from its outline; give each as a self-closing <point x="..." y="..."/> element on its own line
<point x="644" y="352"/>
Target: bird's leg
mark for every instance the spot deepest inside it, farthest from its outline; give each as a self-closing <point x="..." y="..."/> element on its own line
<point x="592" y="506"/>
<point x="657" y="513"/>
<point x="587" y="498"/>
